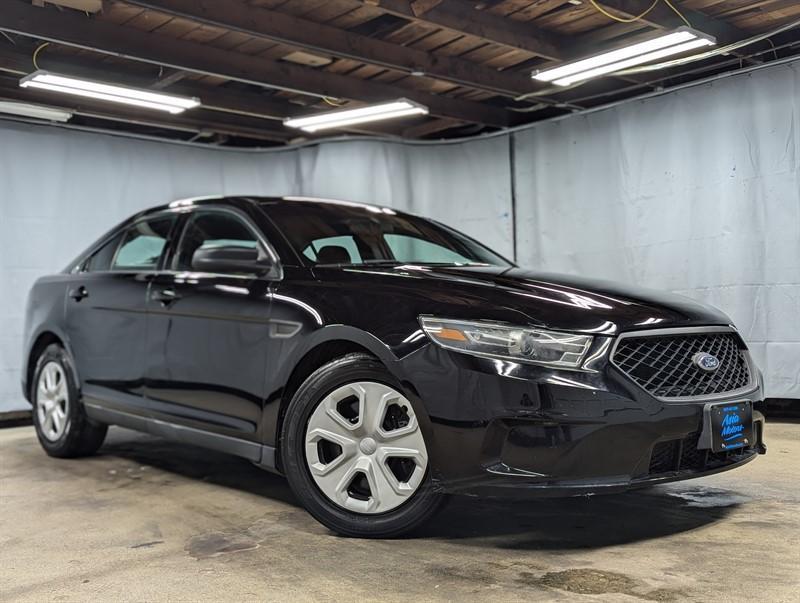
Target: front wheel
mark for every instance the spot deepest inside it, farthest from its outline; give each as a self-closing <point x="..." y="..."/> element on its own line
<point x="354" y="453"/>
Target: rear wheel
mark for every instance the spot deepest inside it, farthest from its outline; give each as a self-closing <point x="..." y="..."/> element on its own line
<point x="354" y="453"/>
<point x="61" y="424"/>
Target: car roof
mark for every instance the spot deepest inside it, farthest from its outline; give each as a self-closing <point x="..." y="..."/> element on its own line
<point x="263" y="200"/>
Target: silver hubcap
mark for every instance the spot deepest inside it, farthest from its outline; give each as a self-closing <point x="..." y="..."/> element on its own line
<point x="52" y="399"/>
<point x="364" y="448"/>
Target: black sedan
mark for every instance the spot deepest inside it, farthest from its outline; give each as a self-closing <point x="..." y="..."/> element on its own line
<point x="380" y="361"/>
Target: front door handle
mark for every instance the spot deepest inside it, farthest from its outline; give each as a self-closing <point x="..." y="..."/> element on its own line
<point x="78" y="293"/>
<point x="165" y="296"/>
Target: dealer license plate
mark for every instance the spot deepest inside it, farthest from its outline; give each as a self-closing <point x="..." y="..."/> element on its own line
<point x="731" y="425"/>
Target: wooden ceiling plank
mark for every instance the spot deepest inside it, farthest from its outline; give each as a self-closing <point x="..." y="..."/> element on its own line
<point x="77" y="30"/>
<point x="268" y="3"/>
<point x="332" y="9"/>
<point x="355" y="17"/>
<point x="435" y="40"/>
<point x="430" y="127"/>
<point x="459" y="17"/>
<point x="119" y="14"/>
<point x="146" y="20"/>
<point x="410" y="33"/>
<point x="537" y="9"/>
<point x="572" y="20"/>
<point x="176" y="28"/>
<point x="298" y="8"/>
<point x="232" y="40"/>
<point x="663" y="17"/>
<point x="317" y="37"/>
<point x="509" y="7"/>
<point x="463" y="45"/>
<point x="204" y="34"/>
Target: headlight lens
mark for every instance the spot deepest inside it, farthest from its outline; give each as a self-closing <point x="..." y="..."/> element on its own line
<point x="534" y="346"/>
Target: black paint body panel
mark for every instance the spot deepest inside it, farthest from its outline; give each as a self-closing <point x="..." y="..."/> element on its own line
<point x="217" y="360"/>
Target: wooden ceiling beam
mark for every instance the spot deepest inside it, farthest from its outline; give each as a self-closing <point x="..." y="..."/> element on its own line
<point x="327" y="40"/>
<point x="81" y="32"/>
<point x="663" y="17"/>
<point x="460" y="17"/>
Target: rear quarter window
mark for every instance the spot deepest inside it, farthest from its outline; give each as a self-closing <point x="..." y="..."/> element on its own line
<point x="143" y="244"/>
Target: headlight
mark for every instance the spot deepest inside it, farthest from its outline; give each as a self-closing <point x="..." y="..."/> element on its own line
<point x="534" y="346"/>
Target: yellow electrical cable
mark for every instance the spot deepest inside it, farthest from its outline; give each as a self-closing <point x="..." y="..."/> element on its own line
<point x="36" y="54"/>
<point x="332" y="103"/>
<point x="624" y="19"/>
<point x="677" y="12"/>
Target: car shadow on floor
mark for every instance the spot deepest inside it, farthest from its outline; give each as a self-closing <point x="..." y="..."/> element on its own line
<point x="581" y="522"/>
<point x="545" y="523"/>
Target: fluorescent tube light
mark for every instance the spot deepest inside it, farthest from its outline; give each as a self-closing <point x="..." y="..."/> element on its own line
<point x="676" y="42"/>
<point x="349" y="117"/>
<point x="108" y="92"/>
<point x="645" y="58"/>
<point x="27" y="110"/>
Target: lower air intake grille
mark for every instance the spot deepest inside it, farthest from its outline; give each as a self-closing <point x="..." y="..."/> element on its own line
<point x="683" y="455"/>
<point x="663" y="364"/>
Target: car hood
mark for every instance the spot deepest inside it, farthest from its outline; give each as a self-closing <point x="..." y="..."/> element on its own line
<point x="557" y="301"/>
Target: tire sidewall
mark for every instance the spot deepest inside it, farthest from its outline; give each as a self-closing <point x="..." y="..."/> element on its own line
<point x="350" y="369"/>
<point x="57" y="354"/>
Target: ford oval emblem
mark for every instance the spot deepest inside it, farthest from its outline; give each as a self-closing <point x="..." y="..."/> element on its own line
<point x="706" y="362"/>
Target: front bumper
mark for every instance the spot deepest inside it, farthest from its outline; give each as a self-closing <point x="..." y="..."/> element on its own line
<point x="500" y="428"/>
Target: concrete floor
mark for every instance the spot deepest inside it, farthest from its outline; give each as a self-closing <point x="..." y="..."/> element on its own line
<point x="151" y="520"/>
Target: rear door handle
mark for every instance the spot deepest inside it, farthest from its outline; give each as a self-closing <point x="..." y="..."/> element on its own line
<point x="165" y="296"/>
<point x="78" y="293"/>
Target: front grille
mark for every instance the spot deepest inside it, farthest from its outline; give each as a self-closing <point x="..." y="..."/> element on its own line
<point x="663" y="365"/>
<point x="683" y="455"/>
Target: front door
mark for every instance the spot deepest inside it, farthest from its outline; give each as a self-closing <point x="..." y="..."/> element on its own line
<point x="106" y="318"/>
<point x="208" y="333"/>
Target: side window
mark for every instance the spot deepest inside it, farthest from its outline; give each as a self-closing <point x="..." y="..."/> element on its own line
<point x="101" y="259"/>
<point x="332" y="250"/>
<point x="143" y="244"/>
<point x="208" y="230"/>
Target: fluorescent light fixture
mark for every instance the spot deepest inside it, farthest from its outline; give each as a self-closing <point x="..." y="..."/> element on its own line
<point x="27" y="110"/>
<point x="676" y="42"/>
<point x="349" y="117"/>
<point x="114" y="93"/>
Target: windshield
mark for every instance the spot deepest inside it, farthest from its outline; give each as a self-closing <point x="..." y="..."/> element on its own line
<point x="353" y="234"/>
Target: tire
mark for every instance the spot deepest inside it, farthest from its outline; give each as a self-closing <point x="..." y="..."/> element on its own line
<point x="353" y="510"/>
<point x="63" y="429"/>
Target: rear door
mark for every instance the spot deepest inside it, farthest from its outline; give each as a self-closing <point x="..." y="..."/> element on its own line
<point x="105" y="314"/>
<point x="209" y="333"/>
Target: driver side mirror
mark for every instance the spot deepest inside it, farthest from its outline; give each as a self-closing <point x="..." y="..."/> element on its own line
<point x="231" y="260"/>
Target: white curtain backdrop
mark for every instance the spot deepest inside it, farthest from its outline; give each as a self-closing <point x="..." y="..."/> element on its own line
<point x="697" y="191"/>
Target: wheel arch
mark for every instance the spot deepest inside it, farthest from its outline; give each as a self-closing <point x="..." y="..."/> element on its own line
<point x="43" y="339"/>
<point x="325" y="345"/>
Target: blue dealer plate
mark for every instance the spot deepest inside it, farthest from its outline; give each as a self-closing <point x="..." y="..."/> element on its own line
<point x="731" y="426"/>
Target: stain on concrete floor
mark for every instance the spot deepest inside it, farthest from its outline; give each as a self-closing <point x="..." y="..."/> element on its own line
<point x="218" y="543"/>
<point x="587" y="581"/>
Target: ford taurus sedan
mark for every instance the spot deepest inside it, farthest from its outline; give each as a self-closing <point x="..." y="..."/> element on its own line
<point x="380" y="361"/>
